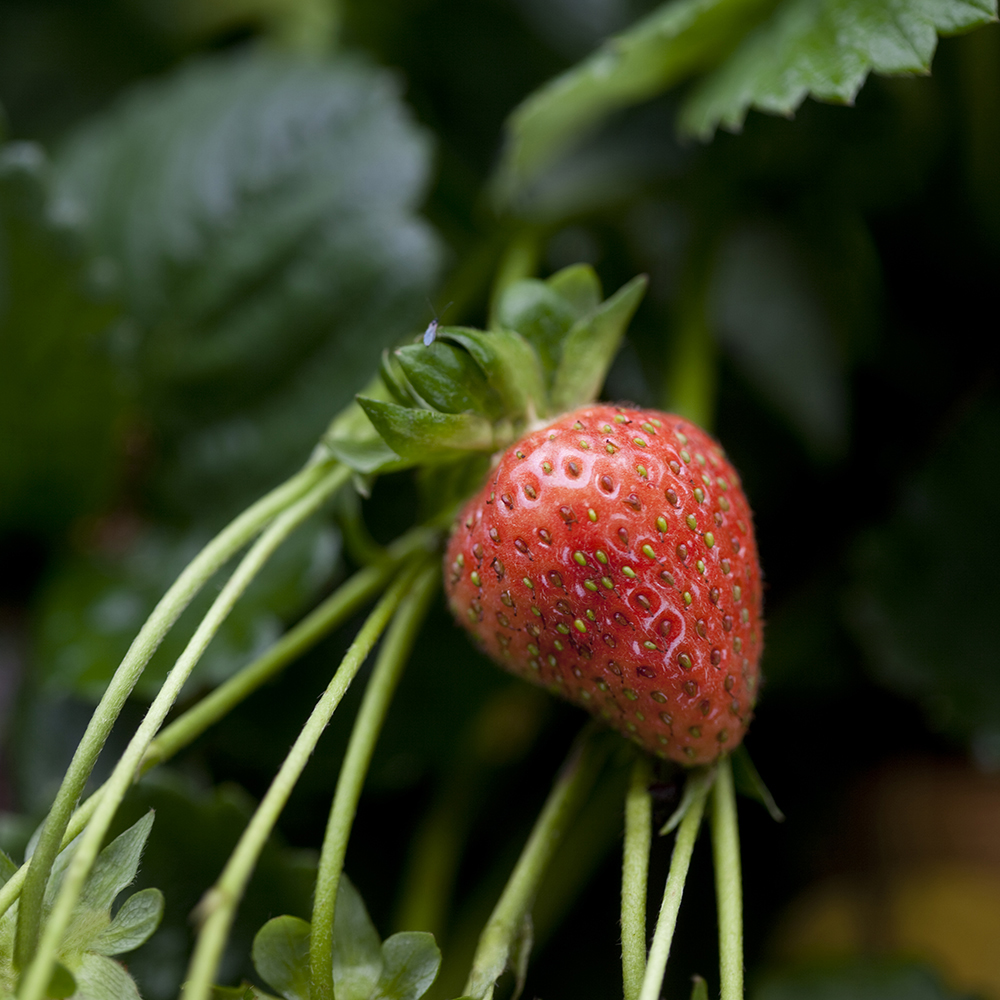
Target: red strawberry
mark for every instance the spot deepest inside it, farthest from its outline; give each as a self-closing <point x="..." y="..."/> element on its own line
<point x="611" y="558"/>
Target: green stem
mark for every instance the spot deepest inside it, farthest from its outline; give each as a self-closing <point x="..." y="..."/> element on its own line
<point x="36" y="976"/>
<point x="728" y="882"/>
<point x="229" y="541"/>
<point x="635" y="875"/>
<point x="659" y="951"/>
<point x="336" y="609"/>
<point x="187" y="727"/>
<point x="505" y="925"/>
<point x="385" y="677"/>
<point x="218" y="907"/>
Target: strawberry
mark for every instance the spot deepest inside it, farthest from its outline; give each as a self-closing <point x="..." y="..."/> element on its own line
<point x="611" y="558"/>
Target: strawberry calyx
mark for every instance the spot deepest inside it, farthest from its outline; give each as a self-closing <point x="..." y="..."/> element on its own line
<point x="470" y="393"/>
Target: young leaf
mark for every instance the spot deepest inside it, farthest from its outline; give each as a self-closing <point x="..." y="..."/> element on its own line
<point x="411" y="961"/>
<point x="418" y="434"/>
<point x="281" y="956"/>
<point x="591" y="345"/>
<point x="357" y="951"/>
<point x="116" y="866"/>
<point x="101" y="978"/>
<point x="825" y="49"/>
<point x="133" y="924"/>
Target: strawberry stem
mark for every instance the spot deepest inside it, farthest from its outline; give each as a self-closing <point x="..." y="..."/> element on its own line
<point x="218" y="551"/>
<point x="392" y="659"/>
<point x="505" y="931"/>
<point x="635" y="876"/>
<point x="37" y="974"/>
<point x="218" y="907"/>
<point x="699" y="783"/>
<point x="728" y="882"/>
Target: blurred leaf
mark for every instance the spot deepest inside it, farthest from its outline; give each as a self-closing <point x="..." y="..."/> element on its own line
<point x="92" y="610"/>
<point x="922" y="605"/>
<point x="7" y="867"/>
<point x="256" y="212"/>
<point x="541" y="315"/>
<point x="825" y="48"/>
<point x="133" y="924"/>
<point x="62" y="984"/>
<point x="699" y="988"/>
<point x="281" y="956"/>
<point x="101" y="978"/>
<point x="60" y="399"/>
<point x="766" y="314"/>
<point x="859" y="980"/>
<point x="676" y="40"/>
<point x="357" y="950"/>
<point x="411" y="961"/>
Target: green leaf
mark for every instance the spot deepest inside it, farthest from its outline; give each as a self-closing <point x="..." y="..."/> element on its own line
<point x="511" y="366"/>
<point x="352" y="438"/>
<point x="102" y="978"/>
<point x="447" y="377"/>
<point x="245" y="991"/>
<point x="924" y="598"/>
<point x="257" y="212"/>
<point x="281" y="956"/>
<point x="357" y="951"/>
<point x="133" y="924"/>
<point x="419" y="434"/>
<point x="591" y="346"/>
<point x="7" y="867"/>
<point x="116" y="865"/>
<point x="825" y="48"/>
<point x="699" y="988"/>
<point x="767" y="315"/>
<point x="676" y="40"/>
<point x="411" y="961"/>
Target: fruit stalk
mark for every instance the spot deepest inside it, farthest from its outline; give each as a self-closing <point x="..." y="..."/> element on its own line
<point x="371" y="716"/>
<point x="699" y="784"/>
<point x="505" y="925"/>
<point x="218" y="906"/>
<point x="635" y="876"/>
<point x="36" y="976"/>
<point x="218" y="551"/>
<point x="728" y="882"/>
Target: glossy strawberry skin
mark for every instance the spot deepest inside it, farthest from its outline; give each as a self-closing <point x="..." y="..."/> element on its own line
<point x="611" y="559"/>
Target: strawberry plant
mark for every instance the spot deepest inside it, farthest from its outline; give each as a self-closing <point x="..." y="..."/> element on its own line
<point x="265" y="517"/>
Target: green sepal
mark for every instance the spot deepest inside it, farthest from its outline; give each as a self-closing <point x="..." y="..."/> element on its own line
<point x="749" y="783"/>
<point x="591" y="345"/>
<point x="448" y="378"/>
<point x="541" y="315"/>
<point x="511" y="367"/>
<point x="416" y="435"/>
<point x="699" y="988"/>
<point x="579" y="285"/>
<point x="353" y="440"/>
<point x="445" y="488"/>
<point x="392" y="374"/>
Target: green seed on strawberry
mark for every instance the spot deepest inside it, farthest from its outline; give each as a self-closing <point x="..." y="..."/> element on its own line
<point x="611" y="558"/>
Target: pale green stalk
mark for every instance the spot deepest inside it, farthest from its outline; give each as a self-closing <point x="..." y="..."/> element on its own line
<point x="218" y="551"/>
<point x="392" y="658"/>
<point x="728" y="882"/>
<point x="635" y="876"/>
<point x="507" y="921"/>
<point x="337" y="608"/>
<point x="37" y="975"/>
<point x="680" y="861"/>
<point x="218" y="908"/>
